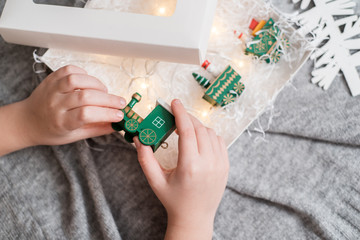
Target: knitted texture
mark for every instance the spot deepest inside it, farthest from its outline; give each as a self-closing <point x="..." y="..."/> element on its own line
<point x="300" y="181"/>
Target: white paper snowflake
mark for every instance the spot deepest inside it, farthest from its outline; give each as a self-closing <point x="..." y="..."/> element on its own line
<point x="335" y="28"/>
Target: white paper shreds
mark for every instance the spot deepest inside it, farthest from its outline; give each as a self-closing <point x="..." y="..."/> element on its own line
<point x="336" y="32"/>
<point x="153" y="79"/>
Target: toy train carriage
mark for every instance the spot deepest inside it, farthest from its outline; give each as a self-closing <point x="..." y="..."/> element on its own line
<point x="225" y="88"/>
<point x="271" y="41"/>
<point x="153" y="130"/>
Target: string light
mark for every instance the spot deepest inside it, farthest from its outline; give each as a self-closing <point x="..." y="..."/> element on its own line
<point x="144" y="86"/>
<point x="162" y="10"/>
<point x="241" y="64"/>
<point x="204" y="113"/>
<point x="150" y="107"/>
<point x="214" y="30"/>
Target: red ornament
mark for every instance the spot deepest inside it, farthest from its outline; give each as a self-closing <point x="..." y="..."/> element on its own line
<point x="253" y="24"/>
<point x="206" y="64"/>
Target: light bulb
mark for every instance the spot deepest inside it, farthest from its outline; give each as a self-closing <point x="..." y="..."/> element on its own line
<point x="162" y="10"/>
<point x="214" y="30"/>
<point x="144" y="86"/>
<point x="241" y="64"/>
<point x="204" y="113"/>
<point x="149" y="107"/>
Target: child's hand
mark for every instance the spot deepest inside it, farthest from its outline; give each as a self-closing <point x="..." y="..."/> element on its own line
<point x="192" y="192"/>
<point x="69" y="105"/>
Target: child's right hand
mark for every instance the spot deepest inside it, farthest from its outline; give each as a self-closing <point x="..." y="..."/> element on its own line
<point x="68" y="106"/>
<point x="192" y="192"/>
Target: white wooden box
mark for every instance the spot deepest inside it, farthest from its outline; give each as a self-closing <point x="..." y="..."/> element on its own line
<point x="182" y="37"/>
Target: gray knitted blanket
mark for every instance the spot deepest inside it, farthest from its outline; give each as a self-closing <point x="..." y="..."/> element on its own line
<point x="300" y="181"/>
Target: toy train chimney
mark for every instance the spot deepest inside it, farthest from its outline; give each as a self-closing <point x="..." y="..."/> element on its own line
<point x="131" y="118"/>
<point x="128" y="109"/>
<point x="136" y="97"/>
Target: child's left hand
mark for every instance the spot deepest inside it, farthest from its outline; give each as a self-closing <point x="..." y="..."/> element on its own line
<point x="70" y="105"/>
<point x="67" y="106"/>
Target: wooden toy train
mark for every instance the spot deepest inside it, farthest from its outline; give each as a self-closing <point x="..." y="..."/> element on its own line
<point x="268" y="41"/>
<point x="153" y="130"/>
<point x="224" y="89"/>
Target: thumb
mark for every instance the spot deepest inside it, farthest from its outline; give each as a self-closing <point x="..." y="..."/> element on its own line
<point x="150" y="166"/>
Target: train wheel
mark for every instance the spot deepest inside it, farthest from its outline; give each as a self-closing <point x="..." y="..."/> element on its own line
<point x="116" y="126"/>
<point x="147" y="136"/>
<point x="129" y="137"/>
<point x="239" y="88"/>
<point x="131" y="125"/>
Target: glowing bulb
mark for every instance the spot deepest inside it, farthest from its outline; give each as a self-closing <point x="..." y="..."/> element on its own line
<point x="214" y="30"/>
<point x="204" y="113"/>
<point x="241" y="64"/>
<point x="162" y="10"/>
<point x="144" y="86"/>
<point x="149" y="107"/>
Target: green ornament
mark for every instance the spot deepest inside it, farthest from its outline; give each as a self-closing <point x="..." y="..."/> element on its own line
<point x="204" y="82"/>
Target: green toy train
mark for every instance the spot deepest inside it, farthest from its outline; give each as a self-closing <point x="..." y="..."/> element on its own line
<point x="224" y="89"/>
<point x="153" y="130"/>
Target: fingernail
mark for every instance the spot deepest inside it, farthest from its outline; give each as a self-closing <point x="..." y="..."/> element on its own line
<point x="120" y="114"/>
<point x="177" y="101"/>
<point x="122" y="102"/>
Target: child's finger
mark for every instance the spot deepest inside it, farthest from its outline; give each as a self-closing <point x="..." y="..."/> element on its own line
<point x="94" y="130"/>
<point x="185" y="128"/>
<point x="79" y="117"/>
<point x="91" y="97"/>
<point x="215" y="148"/>
<point x="150" y="166"/>
<point x="202" y="136"/>
<point x="223" y="148"/>
<point x="79" y="81"/>
<point x="65" y="71"/>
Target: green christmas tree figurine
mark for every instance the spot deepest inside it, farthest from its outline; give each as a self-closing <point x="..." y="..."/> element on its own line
<point x="204" y="82"/>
